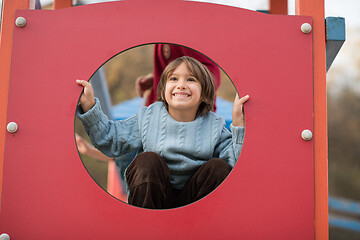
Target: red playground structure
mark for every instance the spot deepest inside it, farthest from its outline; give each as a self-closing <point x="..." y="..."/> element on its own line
<point x="278" y="188"/>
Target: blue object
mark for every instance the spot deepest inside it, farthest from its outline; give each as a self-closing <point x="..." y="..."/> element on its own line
<point x="348" y="207"/>
<point x="344" y="205"/>
<point x="126" y="109"/>
<point x="335" y="38"/>
<point x="344" y="223"/>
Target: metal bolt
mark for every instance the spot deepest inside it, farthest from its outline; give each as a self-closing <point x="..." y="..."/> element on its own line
<point x="306" y="28"/>
<point x="4" y="236"/>
<point x="306" y="135"/>
<point x="12" y="127"/>
<point x="20" y="22"/>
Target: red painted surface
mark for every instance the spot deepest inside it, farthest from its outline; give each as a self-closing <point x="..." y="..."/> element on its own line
<point x="48" y="194"/>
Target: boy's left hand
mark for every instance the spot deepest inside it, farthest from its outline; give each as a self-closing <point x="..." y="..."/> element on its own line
<point x="237" y="112"/>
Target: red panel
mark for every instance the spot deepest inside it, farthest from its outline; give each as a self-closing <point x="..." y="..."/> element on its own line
<point x="48" y="194"/>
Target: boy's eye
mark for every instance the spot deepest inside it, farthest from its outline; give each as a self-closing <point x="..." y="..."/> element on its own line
<point x="191" y="79"/>
<point x="172" y="79"/>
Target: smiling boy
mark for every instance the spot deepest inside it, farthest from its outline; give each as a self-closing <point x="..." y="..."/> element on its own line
<point x="184" y="149"/>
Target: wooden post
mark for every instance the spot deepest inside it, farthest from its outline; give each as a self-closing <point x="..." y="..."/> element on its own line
<point x="315" y="9"/>
<point x="59" y="4"/>
<point x="278" y="7"/>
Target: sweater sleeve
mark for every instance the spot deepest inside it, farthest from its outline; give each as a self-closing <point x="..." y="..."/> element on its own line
<point x="113" y="138"/>
<point x="230" y="144"/>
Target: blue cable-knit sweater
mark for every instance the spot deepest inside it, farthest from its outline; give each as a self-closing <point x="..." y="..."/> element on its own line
<point x="185" y="146"/>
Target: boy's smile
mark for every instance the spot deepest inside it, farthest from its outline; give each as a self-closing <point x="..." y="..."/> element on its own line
<point x="183" y="94"/>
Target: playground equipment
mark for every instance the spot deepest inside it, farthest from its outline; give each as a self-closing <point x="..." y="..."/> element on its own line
<point x="346" y="214"/>
<point x="279" y="60"/>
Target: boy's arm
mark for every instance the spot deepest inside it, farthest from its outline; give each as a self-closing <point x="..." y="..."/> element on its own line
<point x="230" y="145"/>
<point x="111" y="138"/>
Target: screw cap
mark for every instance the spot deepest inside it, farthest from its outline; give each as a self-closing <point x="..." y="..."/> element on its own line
<point x="12" y="127"/>
<point x="306" y="135"/>
<point x="20" y="22"/>
<point x="4" y="236"/>
<point x="306" y="28"/>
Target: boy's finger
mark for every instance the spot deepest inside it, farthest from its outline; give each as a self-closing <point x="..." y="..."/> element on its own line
<point x="244" y="99"/>
<point x="82" y="83"/>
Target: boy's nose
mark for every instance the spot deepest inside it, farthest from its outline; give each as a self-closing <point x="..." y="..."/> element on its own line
<point x="181" y="85"/>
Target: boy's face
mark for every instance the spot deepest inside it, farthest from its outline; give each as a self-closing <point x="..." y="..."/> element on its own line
<point x="182" y="92"/>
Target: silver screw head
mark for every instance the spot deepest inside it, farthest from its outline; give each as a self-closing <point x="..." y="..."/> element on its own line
<point x="4" y="236"/>
<point x="20" y="22"/>
<point x="12" y="127"/>
<point x="306" y="135"/>
<point x="306" y="28"/>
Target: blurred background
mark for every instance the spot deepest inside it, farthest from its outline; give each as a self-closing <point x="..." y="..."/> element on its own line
<point x="343" y="79"/>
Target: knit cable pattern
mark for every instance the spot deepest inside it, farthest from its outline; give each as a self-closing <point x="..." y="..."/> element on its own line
<point x="164" y="117"/>
<point x="145" y="126"/>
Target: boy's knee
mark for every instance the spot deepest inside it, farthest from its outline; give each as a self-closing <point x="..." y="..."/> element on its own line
<point x="219" y="167"/>
<point x="218" y="163"/>
<point x="148" y="161"/>
<point x="145" y="165"/>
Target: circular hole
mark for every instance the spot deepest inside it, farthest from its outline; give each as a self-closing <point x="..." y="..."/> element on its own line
<point x="114" y="85"/>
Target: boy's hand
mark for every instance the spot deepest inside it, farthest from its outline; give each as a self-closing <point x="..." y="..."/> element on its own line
<point x="237" y="112"/>
<point x="87" y="97"/>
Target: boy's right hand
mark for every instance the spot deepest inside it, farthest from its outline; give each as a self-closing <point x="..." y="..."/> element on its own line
<point x="87" y="97"/>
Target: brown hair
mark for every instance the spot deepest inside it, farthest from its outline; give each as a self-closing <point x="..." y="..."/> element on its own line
<point x="200" y="72"/>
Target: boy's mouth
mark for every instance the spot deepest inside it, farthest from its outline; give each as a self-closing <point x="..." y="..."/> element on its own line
<point x="181" y="95"/>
